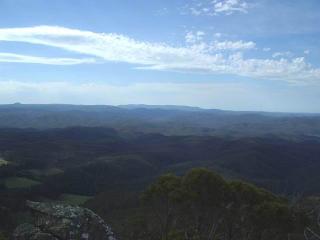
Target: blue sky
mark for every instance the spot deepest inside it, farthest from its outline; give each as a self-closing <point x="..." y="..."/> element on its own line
<point x="228" y="54"/>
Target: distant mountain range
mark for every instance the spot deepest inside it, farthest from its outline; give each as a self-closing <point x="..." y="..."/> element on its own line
<point x="163" y="107"/>
<point x="168" y="120"/>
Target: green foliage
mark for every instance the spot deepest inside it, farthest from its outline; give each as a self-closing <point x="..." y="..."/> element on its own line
<point x="202" y="205"/>
<point x="176" y="235"/>
<point x="163" y="196"/>
<point x="246" y="193"/>
<point x="204" y="187"/>
<point x="272" y="215"/>
<point x="3" y="237"/>
<point x="166" y="188"/>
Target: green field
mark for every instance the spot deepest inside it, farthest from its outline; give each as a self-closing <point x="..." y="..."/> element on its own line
<point x="20" y="182"/>
<point x="74" y="199"/>
<point x="3" y="162"/>
<point x="45" y="172"/>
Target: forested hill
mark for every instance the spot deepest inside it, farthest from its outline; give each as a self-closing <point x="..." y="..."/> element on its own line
<point x="90" y="158"/>
<point x="168" y="120"/>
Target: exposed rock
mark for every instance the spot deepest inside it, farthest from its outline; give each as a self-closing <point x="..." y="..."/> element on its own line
<point x="29" y="231"/>
<point x="56" y="221"/>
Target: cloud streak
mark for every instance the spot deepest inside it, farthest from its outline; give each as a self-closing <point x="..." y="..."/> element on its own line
<point x="202" y="57"/>
<point x="18" y="58"/>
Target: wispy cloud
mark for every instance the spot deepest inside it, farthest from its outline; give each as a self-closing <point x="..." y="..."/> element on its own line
<point x="218" y="7"/>
<point x="230" y="6"/>
<point x="207" y="58"/>
<point x="194" y="37"/>
<point x="232" y="45"/>
<point x="196" y="40"/>
<point x="286" y="54"/>
<point x="218" y="35"/>
<point x="18" y="58"/>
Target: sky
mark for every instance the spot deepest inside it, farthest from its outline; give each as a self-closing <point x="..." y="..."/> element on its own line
<point x="229" y="54"/>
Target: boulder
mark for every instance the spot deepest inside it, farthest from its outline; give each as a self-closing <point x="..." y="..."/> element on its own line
<point x="57" y="221"/>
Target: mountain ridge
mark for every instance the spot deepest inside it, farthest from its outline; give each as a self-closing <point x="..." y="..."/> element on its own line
<point x="168" y="120"/>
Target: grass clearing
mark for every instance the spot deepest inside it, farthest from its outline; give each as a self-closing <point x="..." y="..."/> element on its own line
<point x="53" y="171"/>
<point x="75" y="199"/>
<point x="3" y="162"/>
<point x="20" y="182"/>
<point x="45" y="172"/>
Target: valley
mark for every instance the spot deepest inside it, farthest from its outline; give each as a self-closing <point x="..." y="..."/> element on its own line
<point x="107" y="169"/>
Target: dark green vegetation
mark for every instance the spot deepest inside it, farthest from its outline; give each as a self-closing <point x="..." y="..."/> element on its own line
<point x="87" y="160"/>
<point x="202" y="205"/>
<point x="109" y="169"/>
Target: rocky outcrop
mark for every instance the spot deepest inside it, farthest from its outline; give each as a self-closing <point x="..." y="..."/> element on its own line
<point x="56" y="221"/>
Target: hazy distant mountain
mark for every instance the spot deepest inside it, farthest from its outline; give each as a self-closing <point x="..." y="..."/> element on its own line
<point x="163" y="107"/>
<point x="168" y="120"/>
